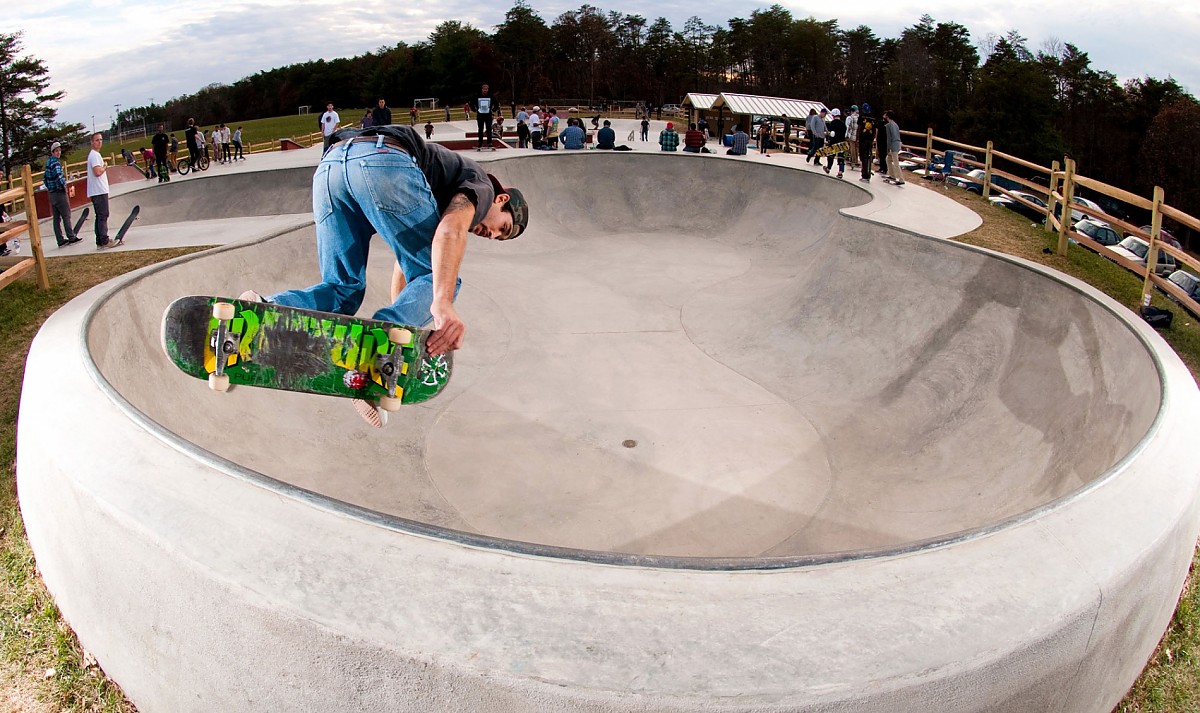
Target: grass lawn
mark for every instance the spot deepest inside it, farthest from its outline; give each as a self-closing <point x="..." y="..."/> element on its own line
<point x="43" y="669"/>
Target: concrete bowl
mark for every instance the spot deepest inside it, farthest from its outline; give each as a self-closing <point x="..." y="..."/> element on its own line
<point x="713" y="444"/>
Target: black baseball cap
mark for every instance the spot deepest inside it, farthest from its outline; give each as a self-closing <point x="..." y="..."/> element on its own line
<point x="517" y="205"/>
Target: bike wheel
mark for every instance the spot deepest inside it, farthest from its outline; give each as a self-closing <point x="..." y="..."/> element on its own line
<point x="184" y="166"/>
<point x="203" y="163"/>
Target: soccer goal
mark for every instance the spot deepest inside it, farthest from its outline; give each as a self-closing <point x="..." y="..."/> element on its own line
<point x="430" y="103"/>
<point x="303" y="110"/>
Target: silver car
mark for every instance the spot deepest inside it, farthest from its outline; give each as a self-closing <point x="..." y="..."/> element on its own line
<point x="1135" y="249"/>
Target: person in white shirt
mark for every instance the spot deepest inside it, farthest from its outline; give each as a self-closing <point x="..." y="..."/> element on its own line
<point x="535" y="126"/>
<point x="226" y="149"/>
<point x="329" y="123"/>
<point x="97" y="190"/>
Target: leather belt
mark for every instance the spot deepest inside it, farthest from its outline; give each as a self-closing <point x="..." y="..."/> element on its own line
<point x="387" y="141"/>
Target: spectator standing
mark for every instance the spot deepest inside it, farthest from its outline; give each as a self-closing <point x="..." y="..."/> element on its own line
<point x="739" y="142"/>
<point x="866" y="141"/>
<point x="483" y="117"/>
<point x="668" y="138"/>
<point x="366" y="122"/>
<point x="55" y="181"/>
<point x="837" y="135"/>
<point x="535" y="127"/>
<point x="552" y="129"/>
<point x="894" y="144"/>
<point x="201" y="144"/>
<point x="646" y="127"/>
<point x="329" y="123"/>
<point x="193" y="141"/>
<point x="160" y="143"/>
<point x="97" y="190"/>
<point x="429" y="130"/>
<point x="522" y="115"/>
<point x="413" y="115"/>
<point x="522" y="133"/>
<point x="215" y="135"/>
<point x="702" y="124"/>
<point x="852" y="135"/>
<point x="816" y="134"/>
<point x="226" y="145"/>
<point x="466" y="110"/>
<point x="173" y="153"/>
<point x="237" y="144"/>
<point x="381" y="115"/>
<point x="764" y="133"/>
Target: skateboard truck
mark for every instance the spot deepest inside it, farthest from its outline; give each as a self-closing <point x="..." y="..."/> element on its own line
<point x="223" y="343"/>
<point x="391" y="367"/>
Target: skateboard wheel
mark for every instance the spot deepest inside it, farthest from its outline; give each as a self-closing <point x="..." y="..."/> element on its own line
<point x="388" y="403"/>
<point x="218" y="382"/>
<point x="400" y="336"/>
<point x="223" y="311"/>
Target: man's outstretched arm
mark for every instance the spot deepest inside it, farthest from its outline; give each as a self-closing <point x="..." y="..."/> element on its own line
<point x="449" y="245"/>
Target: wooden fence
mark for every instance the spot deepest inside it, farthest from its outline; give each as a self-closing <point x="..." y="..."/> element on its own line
<point x="1059" y="193"/>
<point x="15" y="266"/>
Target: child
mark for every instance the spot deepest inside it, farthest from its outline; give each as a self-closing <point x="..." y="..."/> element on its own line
<point x="428" y="129"/>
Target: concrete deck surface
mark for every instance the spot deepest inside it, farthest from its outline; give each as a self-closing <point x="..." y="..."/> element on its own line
<point x="953" y="480"/>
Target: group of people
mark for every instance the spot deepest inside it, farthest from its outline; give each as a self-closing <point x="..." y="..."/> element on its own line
<point x="865" y="136"/>
<point x="54" y="180"/>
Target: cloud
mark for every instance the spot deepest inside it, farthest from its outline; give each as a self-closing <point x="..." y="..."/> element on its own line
<point x="102" y="53"/>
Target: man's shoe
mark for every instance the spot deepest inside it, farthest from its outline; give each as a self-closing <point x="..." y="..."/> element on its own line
<point x="865" y="180"/>
<point x="74" y="240"/>
<point x="62" y="243"/>
<point x="251" y="296"/>
<point x="371" y="413"/>
<point x="826" y="170"/>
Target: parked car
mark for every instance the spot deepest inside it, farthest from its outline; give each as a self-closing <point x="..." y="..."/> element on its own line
<point x="1034" y="215"/>
<point x="1099" y="231"/>
<point x="1190" y="284"/>
<point x="1164" y="235"/>
<point x="1187" y="282"/>
<point x="973" y="182"/>
<point x="1135" y="249"/>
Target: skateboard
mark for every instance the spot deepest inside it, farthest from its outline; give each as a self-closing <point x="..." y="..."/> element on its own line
<point x="133" y="214"/>
<point x="164" y="173"/>
<point x="82" y="217"/>
<point x="832" y="149"/>
<point x="235" y="342"/>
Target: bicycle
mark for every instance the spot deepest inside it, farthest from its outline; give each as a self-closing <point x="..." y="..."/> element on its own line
<point x="185" y="165"/>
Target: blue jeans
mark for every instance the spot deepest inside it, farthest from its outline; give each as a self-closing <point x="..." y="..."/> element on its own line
<point x="361" y="189"/>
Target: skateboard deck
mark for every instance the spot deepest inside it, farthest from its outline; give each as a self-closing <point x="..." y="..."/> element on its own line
<point x="832" y="149"/>
<point x="276" y="347"/>
<point x="82" y="218"/>
<point x="133" y="214"/>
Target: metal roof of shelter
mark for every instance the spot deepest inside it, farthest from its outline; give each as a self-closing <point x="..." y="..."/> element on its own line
<point x="700" y="101"/>
<point x="765" y="106"/>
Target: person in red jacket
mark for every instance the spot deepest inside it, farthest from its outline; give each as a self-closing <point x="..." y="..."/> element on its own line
<point x="693" y="140"/>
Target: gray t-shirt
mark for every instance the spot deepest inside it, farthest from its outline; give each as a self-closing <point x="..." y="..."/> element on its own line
<point x="893" y="136"/>
<point x="448" y="173"/>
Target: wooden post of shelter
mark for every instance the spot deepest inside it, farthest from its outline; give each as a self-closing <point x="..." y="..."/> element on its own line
<point x="1155" y="233"/>
<point x="987" y="171"/>
<point x="1050" y="200"/>
<point x="928" y="150"/>
<point x="1068" y="192"/>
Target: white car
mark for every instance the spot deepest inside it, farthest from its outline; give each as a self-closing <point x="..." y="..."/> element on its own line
<point x="1135" y="249"/>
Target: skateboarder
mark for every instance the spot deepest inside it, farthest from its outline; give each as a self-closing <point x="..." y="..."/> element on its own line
<point x="55" y="181"/>
<point x="422" y="199"/>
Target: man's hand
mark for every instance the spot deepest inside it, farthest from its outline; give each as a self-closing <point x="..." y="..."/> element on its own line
<point x="449" y="329"/>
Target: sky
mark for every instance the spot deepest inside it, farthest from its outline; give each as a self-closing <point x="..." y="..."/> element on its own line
<point x="133" y="53"/>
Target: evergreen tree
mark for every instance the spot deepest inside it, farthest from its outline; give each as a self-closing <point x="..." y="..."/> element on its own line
<point x="27" y="126"/>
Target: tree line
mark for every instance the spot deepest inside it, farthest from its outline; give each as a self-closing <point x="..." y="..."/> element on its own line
<point x="1037" y="104"/>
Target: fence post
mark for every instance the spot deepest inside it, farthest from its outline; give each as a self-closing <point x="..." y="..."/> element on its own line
<point x="928" y="150"/>
<point x="1152" y="255"/>
<point x="1050" y="199"/>
<point x="35" y="234"/>
<point x="987" y="171"/>
<point x="1068" y="192"/>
